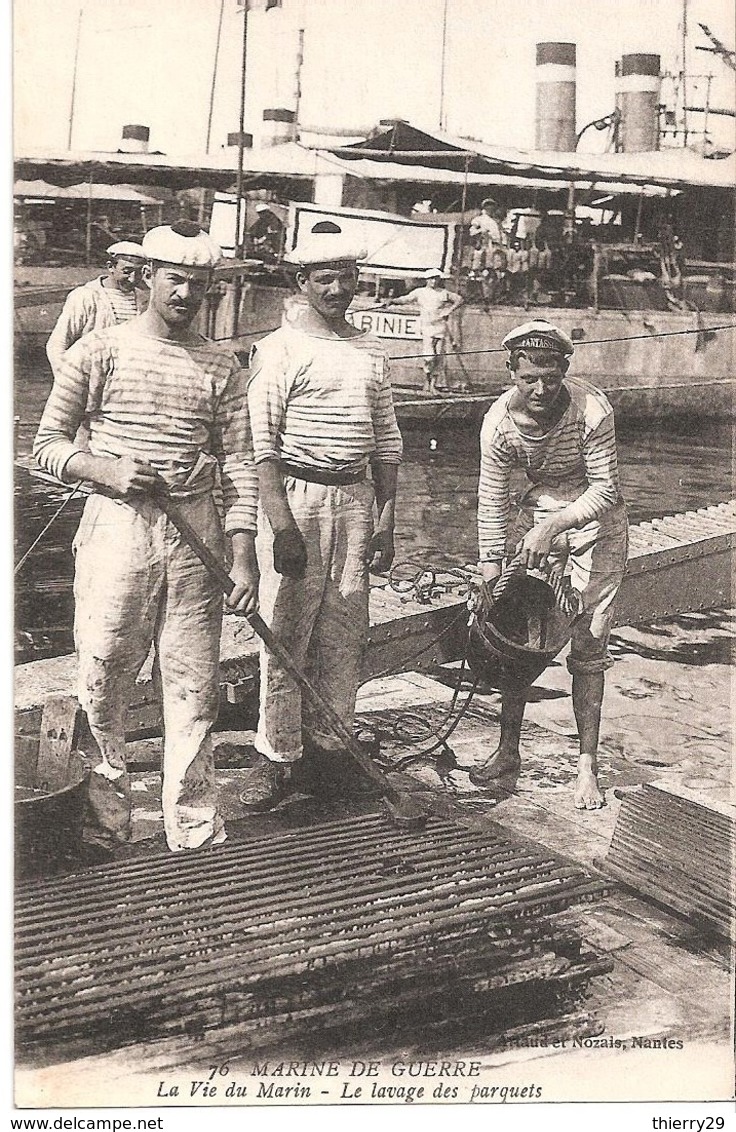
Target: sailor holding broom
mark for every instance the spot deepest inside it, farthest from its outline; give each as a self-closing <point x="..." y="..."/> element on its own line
<point x="163" y="404"/>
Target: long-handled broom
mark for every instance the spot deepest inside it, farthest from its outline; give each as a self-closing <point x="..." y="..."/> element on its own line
<point x="401" y="808"/>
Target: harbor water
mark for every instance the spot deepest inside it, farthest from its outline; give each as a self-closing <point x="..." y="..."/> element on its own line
<point x="662" y="471"/>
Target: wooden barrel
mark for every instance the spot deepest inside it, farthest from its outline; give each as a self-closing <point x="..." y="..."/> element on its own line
<point x="48" y="823"/>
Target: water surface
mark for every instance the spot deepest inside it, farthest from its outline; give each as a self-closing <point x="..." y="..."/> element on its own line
<point x="662" y="471"/>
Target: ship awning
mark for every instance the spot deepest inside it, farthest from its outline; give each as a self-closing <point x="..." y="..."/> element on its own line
<point x="287" y="162"/>
<point x="667" y="168"/>
<point x="38" y="190"/>
<point x="390" y="171"/>
<point x="292" y="162"/>
<point x="42" y="190"/>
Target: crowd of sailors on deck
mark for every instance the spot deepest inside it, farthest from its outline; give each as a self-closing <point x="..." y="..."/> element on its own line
<point x="526" y="260"/>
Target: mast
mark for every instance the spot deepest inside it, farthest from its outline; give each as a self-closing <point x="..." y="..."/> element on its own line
<point x="298" y="93"/>
<point x="214" y="77"/>
<point x="239" y="234"/>
<point x="684" y="72"/>
<point x="74" y="78"/>
<point x="443" y="122"/>
<point x="463" y="209"/>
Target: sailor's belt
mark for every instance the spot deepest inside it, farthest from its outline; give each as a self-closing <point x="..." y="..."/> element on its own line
<point x="318" y="475"/>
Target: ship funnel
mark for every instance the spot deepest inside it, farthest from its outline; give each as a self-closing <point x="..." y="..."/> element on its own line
<point x="234" y="139"/>
<point x="637" y="101"/>
<point x="556" y="74"/>
<point x="279" y="126"/>
<point x="135" y="139"/>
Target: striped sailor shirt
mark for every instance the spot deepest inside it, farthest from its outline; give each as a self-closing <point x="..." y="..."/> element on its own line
<point x="322" y="403"/>
<point x="573" y="466"/>
<point x="89" y="307"/>
<point x="124" y="304"/>
<point x="181" y="406"/>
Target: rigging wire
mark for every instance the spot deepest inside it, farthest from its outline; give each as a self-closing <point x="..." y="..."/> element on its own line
<point x="502" y="350"/>
<point x="51" y="521"/>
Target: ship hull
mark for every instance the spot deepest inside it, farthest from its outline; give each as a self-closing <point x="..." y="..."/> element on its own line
<point x="653" y="364"/>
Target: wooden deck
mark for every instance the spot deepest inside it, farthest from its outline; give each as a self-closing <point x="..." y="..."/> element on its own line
<point x="666" y="720"/>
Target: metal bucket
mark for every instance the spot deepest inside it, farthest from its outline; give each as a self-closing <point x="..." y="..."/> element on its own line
<point x="48" y="823"/>
<point x="512" y="640"/>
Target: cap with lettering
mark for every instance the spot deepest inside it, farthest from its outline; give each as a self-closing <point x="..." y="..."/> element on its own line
<point x="538" y="334"/>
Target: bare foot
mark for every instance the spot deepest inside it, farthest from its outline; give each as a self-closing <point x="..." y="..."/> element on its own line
<point x="500" y="770"/>
<point x="588" y="795"/>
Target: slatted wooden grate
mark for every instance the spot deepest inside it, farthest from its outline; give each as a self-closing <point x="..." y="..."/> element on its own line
<point x="301" y="933"/>
<point x="680" y="853"/>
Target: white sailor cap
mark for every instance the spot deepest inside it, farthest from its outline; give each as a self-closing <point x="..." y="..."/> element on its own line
<point x="433" y="273"/>
<point x="127" y="248"/>
<point x="538" y="334"/>
<point x="183" y="243"/>
<point x="325" y="243"/>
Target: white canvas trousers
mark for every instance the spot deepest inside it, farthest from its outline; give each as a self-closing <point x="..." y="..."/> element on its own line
<point x="321" y="619"/>
<point x="433" y="348"/>
<point x="136" y="583"/>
